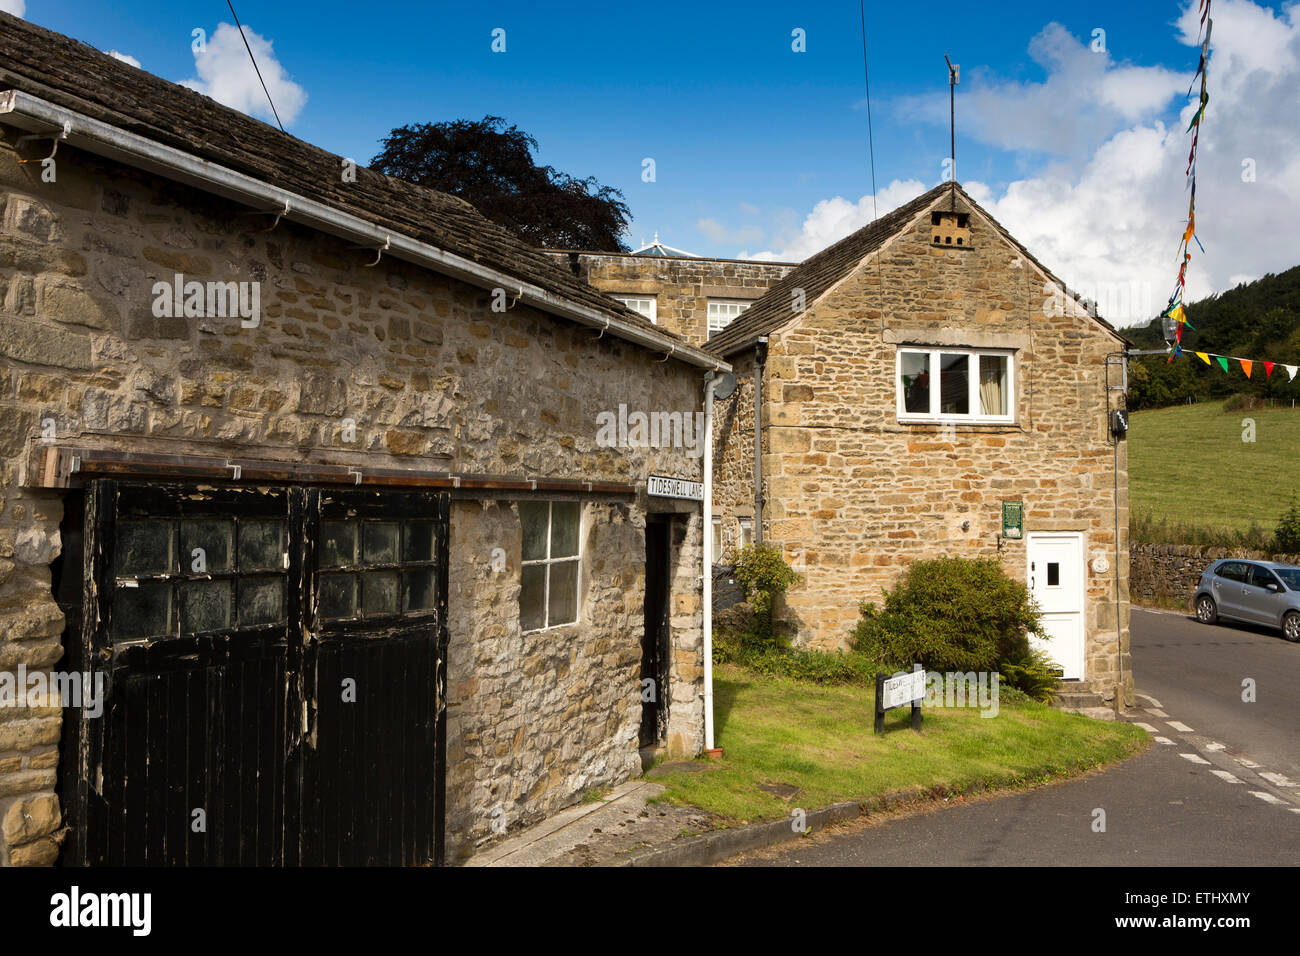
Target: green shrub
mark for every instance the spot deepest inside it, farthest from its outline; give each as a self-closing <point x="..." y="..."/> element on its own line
<point x="763" y="574"/>
<point x="812" y="666"/>
<point x="1032" y="672"/>
<point x="949" y="614"/>
<point x="1287" y="535"/>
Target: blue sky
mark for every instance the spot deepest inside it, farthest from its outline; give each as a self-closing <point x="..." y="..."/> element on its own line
<point x="761" y="150"/>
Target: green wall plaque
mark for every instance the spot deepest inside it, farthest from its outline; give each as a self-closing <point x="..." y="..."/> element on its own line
<point x="1013" y="519"/>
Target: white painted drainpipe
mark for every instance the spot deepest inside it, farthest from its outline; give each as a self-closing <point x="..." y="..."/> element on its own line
<point x="708" y="559"/>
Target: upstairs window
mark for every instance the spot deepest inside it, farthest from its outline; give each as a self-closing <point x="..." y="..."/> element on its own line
<point x="548" y="593"/>
<point x="955" y="385"/>
<point x="722" y="312"/>
<point x="646" y="305"/>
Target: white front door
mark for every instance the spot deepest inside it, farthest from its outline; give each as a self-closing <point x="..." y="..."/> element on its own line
<point x="1056" y="583"/>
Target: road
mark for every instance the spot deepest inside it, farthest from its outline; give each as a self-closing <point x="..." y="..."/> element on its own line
<point x="1196" y="673"/>
<point x="1216" y="787"/>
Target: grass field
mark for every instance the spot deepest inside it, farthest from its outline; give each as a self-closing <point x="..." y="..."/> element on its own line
<point x="820" y="740"/>
<point x="1190" y="465"/>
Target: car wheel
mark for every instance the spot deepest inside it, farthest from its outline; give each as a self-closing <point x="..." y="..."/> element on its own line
<point x="1291" y="626"/>
<point x="1207" y="613"/>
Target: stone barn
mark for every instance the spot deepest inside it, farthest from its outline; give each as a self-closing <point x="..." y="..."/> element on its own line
<point x="310" y="550"/>
<point x="926" y="387"/>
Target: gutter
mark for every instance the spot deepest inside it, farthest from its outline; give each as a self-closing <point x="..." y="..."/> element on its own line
<point x="82" y="132"/>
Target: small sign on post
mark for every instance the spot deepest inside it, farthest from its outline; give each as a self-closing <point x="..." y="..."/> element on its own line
<point x="899" y="691"/>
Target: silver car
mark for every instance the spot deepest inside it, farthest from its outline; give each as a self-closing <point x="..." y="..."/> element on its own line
<point x="1257" y="592"/>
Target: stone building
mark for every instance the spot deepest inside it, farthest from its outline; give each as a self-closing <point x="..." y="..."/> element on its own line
<point x="694" y="297"/>
<point x="691" y="296"/>
<point x="927" y="388"/>
<point x="309" y="548"/>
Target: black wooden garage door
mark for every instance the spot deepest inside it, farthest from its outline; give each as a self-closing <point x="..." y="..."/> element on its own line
<point x="275" y="676"/>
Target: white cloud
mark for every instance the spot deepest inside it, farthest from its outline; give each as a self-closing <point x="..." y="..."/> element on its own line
<point x="227" y="75"/>
<point x="1084" y="99"/>
<point x="17" y="7"/>
<point x="833" y="219"/>
<point x="717" y="232"/>
<point x="1120" y="219"/>
<point x="125" y="58"/>
<point x="748" y="208"/>
<point x="1112" y="214"/>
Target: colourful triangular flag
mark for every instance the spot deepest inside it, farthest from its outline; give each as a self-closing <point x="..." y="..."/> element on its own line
<point x="1245" y="366"/>
<point x="1223" y="362"/>
<point x="1291" y="370"/>
<point x="1203" y="357"/>
<point x="1268" y="367"/>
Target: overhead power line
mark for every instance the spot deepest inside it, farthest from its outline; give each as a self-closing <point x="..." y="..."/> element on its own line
<point x="255" y="67"/>
<point x="866" y="81"/>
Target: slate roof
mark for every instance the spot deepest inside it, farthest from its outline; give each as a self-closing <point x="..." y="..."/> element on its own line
<point x="816" y="274"/>
<point x="78" y="77"/>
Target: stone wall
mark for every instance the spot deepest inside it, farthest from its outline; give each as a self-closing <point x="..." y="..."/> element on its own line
<point x="682" y="287"/>
<point x="854" y="497"/>
<point x="733" y="457"/>
<point x="1166" y="575"/>
<point x="392" y="367"/>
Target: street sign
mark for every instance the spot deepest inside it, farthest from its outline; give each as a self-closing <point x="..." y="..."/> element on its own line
<point x="903" y="689"/>
<point x="899" y="691"/>
<point x="1013" y="519"/>
<point x="657" y="486"/>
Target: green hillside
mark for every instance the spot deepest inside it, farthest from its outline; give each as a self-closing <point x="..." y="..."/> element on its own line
<point x="1258" y="320"/>
<point x="1189" y="465"/>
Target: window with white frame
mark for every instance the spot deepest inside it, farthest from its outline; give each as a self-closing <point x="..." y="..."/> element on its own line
<point x="548" y="592"/>
<point x="746" y="532"/>
<point x="646" y="305"/>
<point x="717" y="539"/>
<point x="722" y="312"/>
<point x="951" y="384"/>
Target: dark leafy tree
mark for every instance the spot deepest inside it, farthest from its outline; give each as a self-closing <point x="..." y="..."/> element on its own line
<point x="490" y="165"/>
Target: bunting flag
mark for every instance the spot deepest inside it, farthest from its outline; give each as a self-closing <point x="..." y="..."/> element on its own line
<point x="1247" y="365"/>
<point x="1174" y="308"/>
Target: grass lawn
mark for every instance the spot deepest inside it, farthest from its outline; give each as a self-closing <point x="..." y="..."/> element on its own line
<point x="1189" y="463"/>
<point x="819" y="739"/>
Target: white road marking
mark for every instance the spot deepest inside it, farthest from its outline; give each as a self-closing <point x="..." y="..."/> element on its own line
<point x="1149" y="699"/>
<point x="1214" y="745"/>
<point x="1277" y="779"/>
<point x="1147" y="727"/>
<point x="1268" y="797"/>
<point x="1249" y="764"/>
<point x="1164" y="740"/>
<point x="1224" y="775"/>
<point x="1194" y="758"/>
<point x="1180" y="727"/>
<point x="1154" y="712"/>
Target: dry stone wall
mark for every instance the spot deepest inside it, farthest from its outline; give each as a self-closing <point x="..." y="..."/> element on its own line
<point x="1167" y="574"/>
